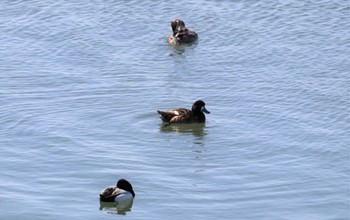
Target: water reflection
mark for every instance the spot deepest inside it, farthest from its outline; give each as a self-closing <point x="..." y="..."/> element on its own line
<point x="180" y="49"/>
<point x="120" y="208"/>
<point x="196" y="130"/>
<point x="177" y="50"/>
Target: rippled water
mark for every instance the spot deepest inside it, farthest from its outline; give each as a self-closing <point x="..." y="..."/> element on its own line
<point x="81" y="83"/>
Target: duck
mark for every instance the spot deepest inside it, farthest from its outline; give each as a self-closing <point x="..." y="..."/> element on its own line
<point x="181" y="34"/>
<point x="122" y="192"/>
<point x="183" y="115"/>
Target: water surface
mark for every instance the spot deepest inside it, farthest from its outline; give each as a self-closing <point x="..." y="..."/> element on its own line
<point x="81" y="83"/>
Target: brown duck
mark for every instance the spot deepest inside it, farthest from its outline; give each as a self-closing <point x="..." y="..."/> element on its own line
<point x="181" y="34"/>
<point x="183" y="115"/>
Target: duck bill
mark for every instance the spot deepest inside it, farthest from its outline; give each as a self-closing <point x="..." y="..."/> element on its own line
<point x="205" y="110"/>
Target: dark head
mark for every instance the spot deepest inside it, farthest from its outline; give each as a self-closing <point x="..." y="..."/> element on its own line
<point x="199" y="106"/>
<point x="124" y="184"/>
<point x="178" y="26"/>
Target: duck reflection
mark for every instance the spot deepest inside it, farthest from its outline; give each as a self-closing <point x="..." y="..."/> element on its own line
<point x="196" y="129"/>
<point x="120" y="208"/>
<point x="177" y="50"/>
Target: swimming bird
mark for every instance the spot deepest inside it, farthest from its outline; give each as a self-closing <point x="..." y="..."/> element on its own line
<point x="122" y="192"/>
<point x="183" y="115"/>
<point x="181" y="34"/>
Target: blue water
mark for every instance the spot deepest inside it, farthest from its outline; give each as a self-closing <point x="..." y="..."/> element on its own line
<point x="81" y="82"/>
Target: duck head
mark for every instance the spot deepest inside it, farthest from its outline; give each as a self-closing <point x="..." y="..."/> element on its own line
<point x="125" y="185"/>
<point x="178" y="27"/>
<point x="199" y="106"/>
